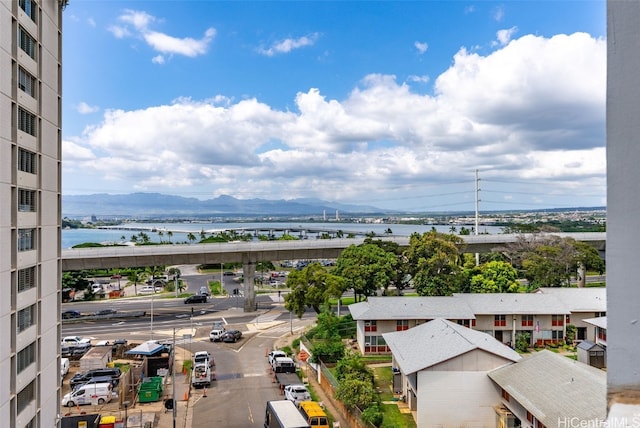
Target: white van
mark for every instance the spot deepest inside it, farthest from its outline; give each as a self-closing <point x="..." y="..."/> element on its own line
<point x="64" y="367"/>
<point x="97" y="393"/>
<point x="216" y="335"/>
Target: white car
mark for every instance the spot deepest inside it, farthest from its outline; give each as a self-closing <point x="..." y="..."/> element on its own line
<point x="296" y="393"/>
<point x="275" y="354"/>
<point x="149" y="289"/>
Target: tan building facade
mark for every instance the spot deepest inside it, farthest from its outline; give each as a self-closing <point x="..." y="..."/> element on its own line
<point x="30" y="212"/>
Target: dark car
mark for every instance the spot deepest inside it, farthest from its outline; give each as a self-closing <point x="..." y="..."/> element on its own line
<point x="70" y="314"/>
<point x="196" y="298"/>
<point x="231" y="336"/>
<point x="82" y="378"/>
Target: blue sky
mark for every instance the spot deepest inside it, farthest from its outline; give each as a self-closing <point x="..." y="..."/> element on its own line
<point x="391" y="104"/>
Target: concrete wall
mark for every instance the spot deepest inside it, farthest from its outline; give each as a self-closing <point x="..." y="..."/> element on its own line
<point x="623" y="200"/>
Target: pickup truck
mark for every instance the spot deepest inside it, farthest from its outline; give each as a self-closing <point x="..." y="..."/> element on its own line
<point x="202" y="375"/>
<point x="203" y="357"/>
<point x="75" y="345"/>
<point x="283" y="365"/>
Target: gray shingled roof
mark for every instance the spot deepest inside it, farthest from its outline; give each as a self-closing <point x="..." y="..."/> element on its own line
<point x="598" y="322"/>
<point x="440" y="340"/>
<point x="591" y="299"/>
<point x="399" y="308"/>
<point x="555" y="388"/>
<point x="513" y="303"/>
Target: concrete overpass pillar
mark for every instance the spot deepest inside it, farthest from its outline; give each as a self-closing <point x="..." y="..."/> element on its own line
<point x="248" y="285"/>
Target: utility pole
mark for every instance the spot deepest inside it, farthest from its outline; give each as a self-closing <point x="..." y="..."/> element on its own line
<point x="477" y="200"/>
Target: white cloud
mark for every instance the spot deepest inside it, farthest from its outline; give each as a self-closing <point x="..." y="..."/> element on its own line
<point x="84" y="108"/>
<point x="504" y="36"/>
<point x="421" y="47"/>
<point x="532" y="110"/>
<point x="498" y="13"/>
<point x="140" y="22"/>
<point x="418" y="79"/>
<point x="287" y="45"/>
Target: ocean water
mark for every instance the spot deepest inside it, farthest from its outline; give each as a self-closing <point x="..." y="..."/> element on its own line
<point x="180" y="231"/>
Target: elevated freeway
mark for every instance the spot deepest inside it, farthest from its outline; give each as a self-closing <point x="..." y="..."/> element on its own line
<point x="249" y="253"/>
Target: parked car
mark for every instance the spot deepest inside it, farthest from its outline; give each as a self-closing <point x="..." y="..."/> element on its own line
<point x="231" y="336"/>
<point x="275" y="354"/>
<point x="106" y="312"/>
<point x="81" y="378"/>
<point x="296" y="393"/>
<point x="196" y="298"/>
<point x="97" y="393"/>
<point x="228" y="273"/>
<point x="215" y="335"/>
<point x="149" y="289"/>
<point x="205" y="291"/>
<point x="70" y="314"/>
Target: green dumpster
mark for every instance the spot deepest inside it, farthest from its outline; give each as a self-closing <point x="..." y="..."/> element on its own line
<point x="150" y="389"/>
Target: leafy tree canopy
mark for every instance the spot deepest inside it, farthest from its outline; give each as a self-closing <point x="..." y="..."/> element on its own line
<point x="311" y="287"/>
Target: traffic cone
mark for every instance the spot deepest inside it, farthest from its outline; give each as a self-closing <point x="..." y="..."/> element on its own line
<point x="185" y="397"/>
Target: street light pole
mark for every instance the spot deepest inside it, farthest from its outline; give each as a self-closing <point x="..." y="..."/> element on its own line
<point x="173" y="378"/>
<point x="154" y="292"/>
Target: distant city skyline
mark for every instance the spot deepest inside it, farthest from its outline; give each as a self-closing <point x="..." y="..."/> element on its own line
<point x="388" y="104"/>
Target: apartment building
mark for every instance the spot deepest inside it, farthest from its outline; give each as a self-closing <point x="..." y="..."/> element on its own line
<point x="30" y="211"/>
<point x="544" y="315"/>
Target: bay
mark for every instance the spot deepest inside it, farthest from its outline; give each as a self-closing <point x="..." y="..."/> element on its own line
<point x="157" y="232"/>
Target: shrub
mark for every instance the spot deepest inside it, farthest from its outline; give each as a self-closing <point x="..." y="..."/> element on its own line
<point x="372" y="415"/>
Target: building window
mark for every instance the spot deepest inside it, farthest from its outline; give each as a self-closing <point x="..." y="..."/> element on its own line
<point x="31" y="424"/>
<point x="26" y="279"/>
<point x="557" y="320"/>
<point x="466" y="323"/>
<point x="26" y="200"/>
<point x="402" y="325"/>
<point x="26" y="121"/>
<point x="557" y="334"/>
<point x="27" y="161"/>
<point x="500" y="320"/>
<point x="26" y="239"/>
<point x="527" y="321"/>
<point x="567" y="319"/>
<point x="26" y="357"/>
<point x="26" y="318"/>
<point x="26" y="82"/>
<point x="27" y="43"/>
<point x="29" y="8"/>
<point x="370" y="326"/>
<point x="25" y="397"/>
<point x="602" y="333"/>
<point x="375" y="344"/>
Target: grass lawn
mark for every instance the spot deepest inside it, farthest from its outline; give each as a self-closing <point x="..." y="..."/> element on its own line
<point x="392" y="418"/>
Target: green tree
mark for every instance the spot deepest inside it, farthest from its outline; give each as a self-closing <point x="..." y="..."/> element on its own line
<point x="356" y="392"/>
<point x="522" y="341"/>
<point x="191" y="237"/>
<point x="434" y="262"/>
<point x="135" y="277"/>
<point x="495" y="277"/>
<point x="588" y="257"/>
<point x="311" y="287"/>
<point x="366" y="268"/>
<point x="170" y="235"/>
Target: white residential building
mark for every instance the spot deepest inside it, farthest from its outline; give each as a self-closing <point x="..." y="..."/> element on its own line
<point x="30" y="212"/>
<point x="444" y="369"/>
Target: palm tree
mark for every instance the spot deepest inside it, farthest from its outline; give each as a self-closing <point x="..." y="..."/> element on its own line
<point x="135" y="276"/>
<point x="134" y="238"/>
<point x="203" y="235"/>
<point x="169" y="234"/>
<point x="452" y="229"/>
<point x="160" y="233"/>
<point x="191" y="237"/>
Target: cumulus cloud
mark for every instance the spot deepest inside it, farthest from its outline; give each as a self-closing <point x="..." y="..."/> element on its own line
<point x="503" y="37"/>
<point x="84" y="108"/>
<point x="533" y="109"/>
<point x="134" y="23"/>
<point x="421" y="47"/>
<point x="288" y="45"/>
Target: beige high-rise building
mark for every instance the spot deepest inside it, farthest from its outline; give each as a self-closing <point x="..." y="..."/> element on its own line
<point x="30" y="211"/>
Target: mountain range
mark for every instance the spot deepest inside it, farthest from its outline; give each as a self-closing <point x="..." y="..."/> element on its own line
<point x="157" y="205"/>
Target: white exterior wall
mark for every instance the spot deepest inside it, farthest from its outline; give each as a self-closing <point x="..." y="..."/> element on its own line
<point x="623" y="199"/>
<point x="456" y="399"/>
<point x="44" y="333"/>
